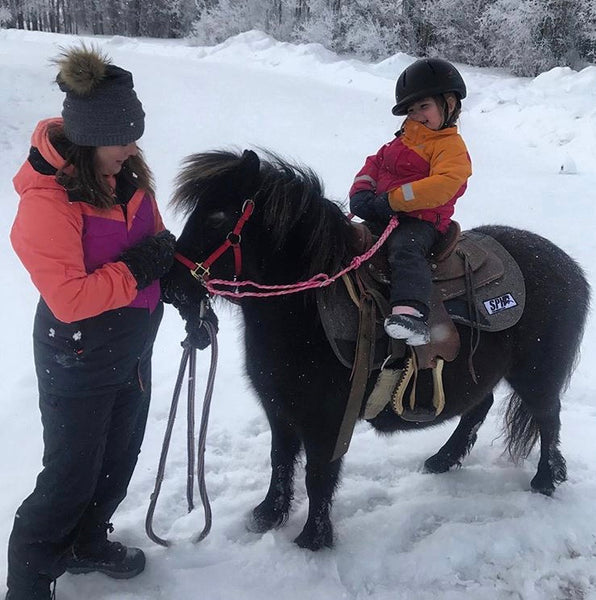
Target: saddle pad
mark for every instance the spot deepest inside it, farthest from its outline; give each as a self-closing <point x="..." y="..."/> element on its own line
<point x="499" y="295"/>
<point x="339" y="317"/>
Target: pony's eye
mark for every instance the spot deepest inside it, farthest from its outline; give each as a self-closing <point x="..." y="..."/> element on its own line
<point x="216" y="219"/>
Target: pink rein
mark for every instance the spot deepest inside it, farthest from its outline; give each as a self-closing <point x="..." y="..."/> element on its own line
<point x="217" y="287"/>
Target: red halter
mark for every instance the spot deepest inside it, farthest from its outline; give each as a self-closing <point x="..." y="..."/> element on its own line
<point x="200" y="271"/>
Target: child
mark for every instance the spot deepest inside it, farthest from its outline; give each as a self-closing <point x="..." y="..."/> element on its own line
<point x="418" y="176"/>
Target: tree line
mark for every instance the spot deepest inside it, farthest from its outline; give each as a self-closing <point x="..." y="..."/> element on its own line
<point x="526" y="37"/>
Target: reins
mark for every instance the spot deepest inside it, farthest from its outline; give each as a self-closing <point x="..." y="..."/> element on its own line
<point x="217" y="287"/>
<point x="188" y="357"/>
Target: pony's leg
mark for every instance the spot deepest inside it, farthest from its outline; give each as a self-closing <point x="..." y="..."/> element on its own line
<point x="321" y="480"/>
<point x="461" y="441"/>
<point x="273" y="511"/>
<point x="552" y="468"/>
<point x="534" y="412"/>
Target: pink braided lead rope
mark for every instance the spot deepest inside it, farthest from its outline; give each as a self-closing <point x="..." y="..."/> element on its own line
<point x="317" y="281"/>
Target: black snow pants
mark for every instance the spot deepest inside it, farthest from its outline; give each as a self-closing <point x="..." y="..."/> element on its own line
<point x="91" y="445"/>
<point x="408" y="247"/>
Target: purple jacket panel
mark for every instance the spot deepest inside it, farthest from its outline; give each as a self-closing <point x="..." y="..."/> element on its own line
<point x="104" y="240"/>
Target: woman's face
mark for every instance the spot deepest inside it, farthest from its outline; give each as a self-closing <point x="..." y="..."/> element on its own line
<point x="109" y="159"/>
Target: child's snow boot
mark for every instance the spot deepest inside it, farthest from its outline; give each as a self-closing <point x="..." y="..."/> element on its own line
<point x="405" y="323"/>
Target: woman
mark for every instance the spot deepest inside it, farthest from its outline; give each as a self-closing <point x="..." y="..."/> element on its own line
<point x="89" y="233"/>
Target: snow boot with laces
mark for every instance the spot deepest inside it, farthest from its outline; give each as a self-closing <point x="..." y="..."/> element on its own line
<point x="98" y="554"/>
<point x="112" y="559"/>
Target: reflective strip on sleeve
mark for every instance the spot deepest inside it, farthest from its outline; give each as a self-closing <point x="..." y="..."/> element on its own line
<point x="408" y="192"/>
<point x="367" y="178"/>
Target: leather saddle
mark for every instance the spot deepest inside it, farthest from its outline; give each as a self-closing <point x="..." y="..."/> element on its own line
<point x="476" y="283"/>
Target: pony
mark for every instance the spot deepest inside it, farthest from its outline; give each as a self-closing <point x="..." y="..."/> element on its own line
<point x="294" y="233"/>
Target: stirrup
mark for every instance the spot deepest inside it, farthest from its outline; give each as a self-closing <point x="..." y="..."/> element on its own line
<point x="424" y="415"/>
<point x="419" y="414"/>
<point x="390" y="378"/>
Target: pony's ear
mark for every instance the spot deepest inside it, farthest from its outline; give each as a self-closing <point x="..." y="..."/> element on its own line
<point x="249" y="157"/>
<point x="249" y="168"/>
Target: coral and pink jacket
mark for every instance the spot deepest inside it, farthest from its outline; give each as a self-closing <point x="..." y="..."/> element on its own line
<point x="92" y="325"/>
<point x="424" y="172"/>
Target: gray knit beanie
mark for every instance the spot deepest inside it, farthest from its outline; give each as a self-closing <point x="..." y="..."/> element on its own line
<point x="101" y="107"/>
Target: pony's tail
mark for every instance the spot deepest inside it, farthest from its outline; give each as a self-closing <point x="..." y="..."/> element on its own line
<point x="522" y="431"/>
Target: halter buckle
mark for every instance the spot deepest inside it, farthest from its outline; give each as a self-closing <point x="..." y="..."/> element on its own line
<point x="200" y="273"/>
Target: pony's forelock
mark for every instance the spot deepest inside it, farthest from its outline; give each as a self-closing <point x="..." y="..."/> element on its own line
<point x="198" y="174"/>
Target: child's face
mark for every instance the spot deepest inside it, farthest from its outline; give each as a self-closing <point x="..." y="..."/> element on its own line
<point x="427" y="112"/>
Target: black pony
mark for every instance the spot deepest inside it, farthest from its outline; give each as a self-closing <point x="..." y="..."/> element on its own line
<point x="295" y="233"/>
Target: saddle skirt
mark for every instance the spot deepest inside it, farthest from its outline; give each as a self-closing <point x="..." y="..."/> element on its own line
<point x="476" y="283"/>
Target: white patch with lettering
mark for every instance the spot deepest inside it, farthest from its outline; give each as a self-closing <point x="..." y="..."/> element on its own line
<point x="500" y="303"/>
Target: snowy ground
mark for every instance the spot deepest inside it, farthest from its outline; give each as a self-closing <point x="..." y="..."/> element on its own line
<point x="473" y="534"/>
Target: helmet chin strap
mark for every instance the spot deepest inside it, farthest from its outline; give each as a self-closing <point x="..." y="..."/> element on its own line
<point x="447" y="114"/>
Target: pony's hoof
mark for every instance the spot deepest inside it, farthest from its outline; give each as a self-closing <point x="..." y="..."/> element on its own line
<point x="318" y="541"/>
<point x="257" y="522"/>
<point x="546" y="489"/>
<point x="545" y="481"/>
<point x="438" y="464"/>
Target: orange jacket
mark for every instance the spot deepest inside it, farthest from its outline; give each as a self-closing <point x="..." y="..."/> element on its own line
<point x="424" y="172"/>
<point x="49" y="232"/>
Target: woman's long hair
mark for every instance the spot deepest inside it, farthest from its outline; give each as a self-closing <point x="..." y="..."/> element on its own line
<point x="85" y="182"/>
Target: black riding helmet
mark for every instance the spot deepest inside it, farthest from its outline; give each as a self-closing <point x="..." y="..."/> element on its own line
<point x="426" y="78"/>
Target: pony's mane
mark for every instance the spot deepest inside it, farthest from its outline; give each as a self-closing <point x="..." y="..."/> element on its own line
<point x="290" y="198"/>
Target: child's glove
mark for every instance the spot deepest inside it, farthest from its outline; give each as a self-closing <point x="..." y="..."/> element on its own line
<point x="383" y="209"/>
<point x="370" y="207"/>
<point x="151" y="258"/>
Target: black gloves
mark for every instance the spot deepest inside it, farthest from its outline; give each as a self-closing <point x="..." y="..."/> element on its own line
<point x="196" y="315"/>
<point x="151" y="258"/>
<point x="184" y="292"/>
<point x="179" y="287"/>
<point x="370" y="207"/>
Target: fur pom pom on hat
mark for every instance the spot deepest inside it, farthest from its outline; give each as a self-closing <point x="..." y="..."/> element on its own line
<point x="101" y="107"/>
